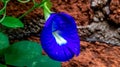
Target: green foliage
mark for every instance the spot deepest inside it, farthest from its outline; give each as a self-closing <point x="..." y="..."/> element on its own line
<point x="2" y="11"/>
<point x="4" y="1"/>
<point x="46" y="8"/>
<point x="23" y="1"/>
<point x="12" y="22"/>
<point x="49" y="4"/>
<point x="4" y="42"/>
<point x="22" y="53"/>
<point x="1" y="65"/>
<point x="44" y="61"/>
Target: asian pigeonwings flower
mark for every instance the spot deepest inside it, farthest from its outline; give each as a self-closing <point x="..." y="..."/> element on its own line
<point x="59" y="37"/>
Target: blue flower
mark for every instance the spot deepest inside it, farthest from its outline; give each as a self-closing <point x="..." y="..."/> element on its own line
<point x="59" y="37"/>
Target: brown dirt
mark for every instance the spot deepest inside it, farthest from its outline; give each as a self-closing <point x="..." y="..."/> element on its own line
<point x="115" y="11"/>
<point x="96" y="55"/>
<point x="79" y="9"/>
<point x="92" y="54"/>
<point x="14" y="8"/>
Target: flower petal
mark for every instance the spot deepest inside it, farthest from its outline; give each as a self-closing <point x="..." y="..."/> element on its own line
<point x="63" y="27"/>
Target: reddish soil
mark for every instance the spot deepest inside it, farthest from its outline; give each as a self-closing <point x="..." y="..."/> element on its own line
<point x="115" y="11"/>
<point x="79" y="9"/>
<point x="96" y="55"/>
<point x="93" y="54"/>
<point x="14" y="8"/>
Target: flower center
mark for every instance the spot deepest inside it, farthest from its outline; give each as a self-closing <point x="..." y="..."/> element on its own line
<point x="60" y="40"/>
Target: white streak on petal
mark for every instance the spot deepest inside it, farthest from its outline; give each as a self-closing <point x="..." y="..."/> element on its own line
<point x="60" y="40"/>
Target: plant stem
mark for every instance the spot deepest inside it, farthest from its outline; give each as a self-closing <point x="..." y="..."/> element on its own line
<point x="33" y="1"/>
<point x="46" y="7"/>
<point x="47" y="11"/>
<point x="35" y="6"/>
<point x="3" y="9"/>
<point x="27" y="12"/>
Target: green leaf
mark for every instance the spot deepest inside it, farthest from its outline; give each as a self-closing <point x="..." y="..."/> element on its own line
<point x="12" y="22"/>
<point x="5" y="1"/>
<point x="1" y="65"/>
<point x="45" y="61"/>
<point x="4" y="42"/>
<point x="22" y="53"/>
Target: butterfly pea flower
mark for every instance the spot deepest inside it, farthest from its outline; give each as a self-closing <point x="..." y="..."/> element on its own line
<point x="59" y="37"/>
